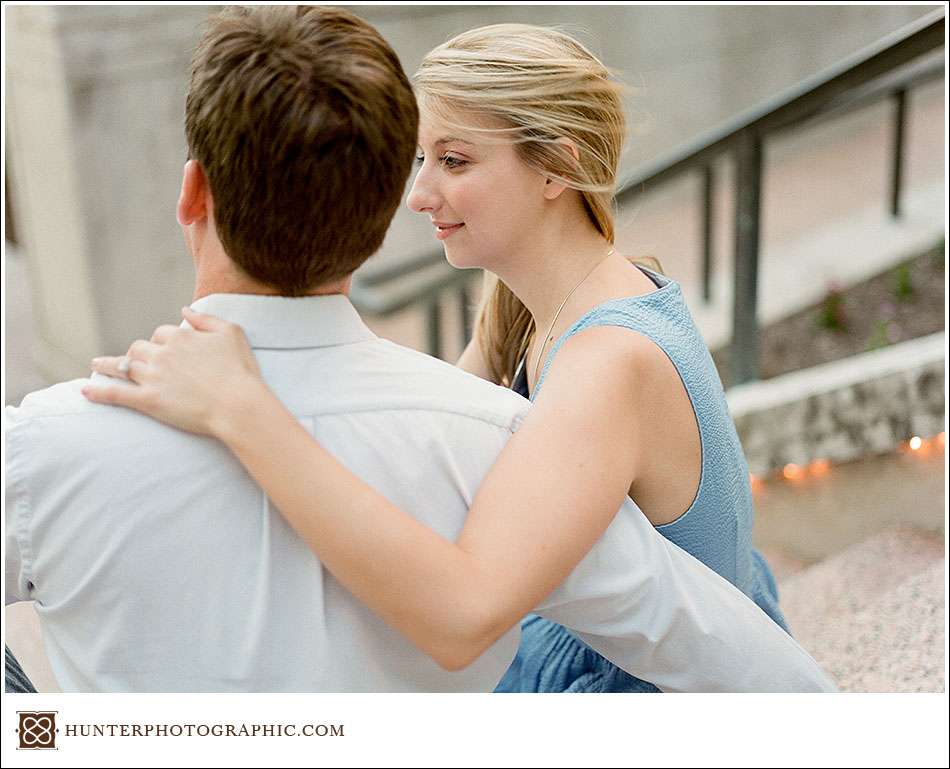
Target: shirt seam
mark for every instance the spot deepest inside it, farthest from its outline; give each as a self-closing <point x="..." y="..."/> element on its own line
<point x="284" y="347"/>
<point x="22" y="514"/>
<point x="493" y="420"/>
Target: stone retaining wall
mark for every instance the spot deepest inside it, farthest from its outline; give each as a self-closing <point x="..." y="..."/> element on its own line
<point x="865" y="405"/>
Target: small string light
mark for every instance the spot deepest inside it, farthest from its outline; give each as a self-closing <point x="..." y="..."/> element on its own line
<point x="792" y="472"/>
<point x="920" y="447"/>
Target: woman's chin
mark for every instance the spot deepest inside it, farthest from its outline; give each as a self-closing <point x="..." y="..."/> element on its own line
<point x="460" y="260"/>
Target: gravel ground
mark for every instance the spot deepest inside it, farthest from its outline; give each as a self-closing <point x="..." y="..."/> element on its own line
<point x="873" y="614"/>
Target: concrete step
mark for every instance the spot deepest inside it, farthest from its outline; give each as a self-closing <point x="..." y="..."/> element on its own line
<point x="846" y="582"/>
<point x="873" y="615"/>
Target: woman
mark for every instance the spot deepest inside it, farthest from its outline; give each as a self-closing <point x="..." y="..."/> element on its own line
<point x="520" y="140"/>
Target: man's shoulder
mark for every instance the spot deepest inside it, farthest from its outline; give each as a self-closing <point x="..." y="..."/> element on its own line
<point x="57" y="439"/>
<point x="61" y="410"/>
<point x="64" y="399"/>
<point x="60" y="401"/>
<point x="62" y="396"/>
<point x="412" y="379"/>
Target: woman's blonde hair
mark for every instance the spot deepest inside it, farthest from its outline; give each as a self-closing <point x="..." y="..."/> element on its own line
<point x="544" y="87"/>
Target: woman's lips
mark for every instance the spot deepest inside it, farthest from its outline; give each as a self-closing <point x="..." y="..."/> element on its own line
<point x="442" y="232"/>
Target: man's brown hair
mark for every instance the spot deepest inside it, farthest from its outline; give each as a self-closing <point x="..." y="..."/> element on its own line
<point x="305" y="126"/>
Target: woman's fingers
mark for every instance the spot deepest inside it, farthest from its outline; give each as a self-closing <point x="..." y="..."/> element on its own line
<point x="129" y="366"/>
<point x="162" y="334"/>
<point x="119" y="395"/>
<point x="179" y="376"/>
<point x="119" y="366"/>
<point x="142" y="350"/>
<point x="203" y="322"/>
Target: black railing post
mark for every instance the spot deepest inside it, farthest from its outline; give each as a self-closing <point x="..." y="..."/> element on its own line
<point x="744" y="353"/>
<point x="708" y="183"/>
<point x="434" y="326"/>
<point x="897" y="150"/>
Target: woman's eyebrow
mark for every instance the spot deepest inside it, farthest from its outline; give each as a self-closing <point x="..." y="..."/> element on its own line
<point x="448" y="139"/>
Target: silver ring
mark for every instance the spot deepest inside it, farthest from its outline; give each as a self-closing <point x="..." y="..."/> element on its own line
<point x="124" y="364"/>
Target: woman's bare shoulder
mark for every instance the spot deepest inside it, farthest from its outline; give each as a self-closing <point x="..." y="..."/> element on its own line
<point x="612" y="355"/>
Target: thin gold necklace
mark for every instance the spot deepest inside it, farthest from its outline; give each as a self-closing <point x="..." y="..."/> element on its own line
<point x="557" y="314"/>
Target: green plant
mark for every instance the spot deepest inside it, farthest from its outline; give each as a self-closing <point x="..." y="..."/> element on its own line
<point x="903" y="284"/>
<point x="831" y="315"/>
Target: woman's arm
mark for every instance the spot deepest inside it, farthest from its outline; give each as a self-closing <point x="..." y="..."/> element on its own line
<point x="550" y="495"/>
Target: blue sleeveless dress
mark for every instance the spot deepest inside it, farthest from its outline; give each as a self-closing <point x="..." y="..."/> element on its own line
<point x="717" y="527"/>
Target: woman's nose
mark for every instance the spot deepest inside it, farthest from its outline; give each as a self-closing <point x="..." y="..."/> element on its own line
<point x="423" y="196"/>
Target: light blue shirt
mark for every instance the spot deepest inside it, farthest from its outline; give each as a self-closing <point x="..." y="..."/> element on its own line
<point x="156" y="564"/>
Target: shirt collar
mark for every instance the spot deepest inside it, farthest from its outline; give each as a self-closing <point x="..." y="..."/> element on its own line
<point x="283" y="322"/>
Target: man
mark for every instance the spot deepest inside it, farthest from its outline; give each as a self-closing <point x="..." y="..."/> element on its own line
<point x="155" y="562"/>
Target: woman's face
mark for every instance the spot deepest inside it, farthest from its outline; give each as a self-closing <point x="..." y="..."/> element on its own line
<point x="482" y="199"/>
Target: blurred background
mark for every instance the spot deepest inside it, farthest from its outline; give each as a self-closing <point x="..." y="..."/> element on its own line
<point x="785" y="164"/>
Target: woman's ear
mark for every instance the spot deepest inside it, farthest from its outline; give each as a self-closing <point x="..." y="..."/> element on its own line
<point x="193" y="199"/>
<point x="552" y="187"/>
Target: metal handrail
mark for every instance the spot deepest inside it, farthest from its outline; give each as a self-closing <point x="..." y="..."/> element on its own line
<point x="886" y="69"/>
<point x="799" y="102"/>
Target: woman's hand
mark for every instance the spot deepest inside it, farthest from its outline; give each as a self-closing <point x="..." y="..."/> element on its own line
<point x="193" y="379"/>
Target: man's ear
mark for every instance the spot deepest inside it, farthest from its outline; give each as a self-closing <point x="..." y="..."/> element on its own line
<point x="194" y="196"/>
<point x="552" y="187"/>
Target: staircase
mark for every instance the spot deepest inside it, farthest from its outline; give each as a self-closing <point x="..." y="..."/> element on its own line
<point x="872" y="615"/>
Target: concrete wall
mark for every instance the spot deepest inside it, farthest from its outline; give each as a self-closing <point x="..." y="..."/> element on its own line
<point x="95" y="96"/>
<point x="95" y="101"/>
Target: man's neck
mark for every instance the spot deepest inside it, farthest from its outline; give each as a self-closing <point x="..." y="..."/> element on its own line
<point x="205" y="285"/>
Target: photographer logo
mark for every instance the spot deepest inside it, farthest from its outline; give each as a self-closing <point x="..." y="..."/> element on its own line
<point x="37" y="730"/>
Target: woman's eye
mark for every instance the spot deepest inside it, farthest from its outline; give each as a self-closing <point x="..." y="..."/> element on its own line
<point x="447" y="161"/>
<point x="450" y="161"/>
